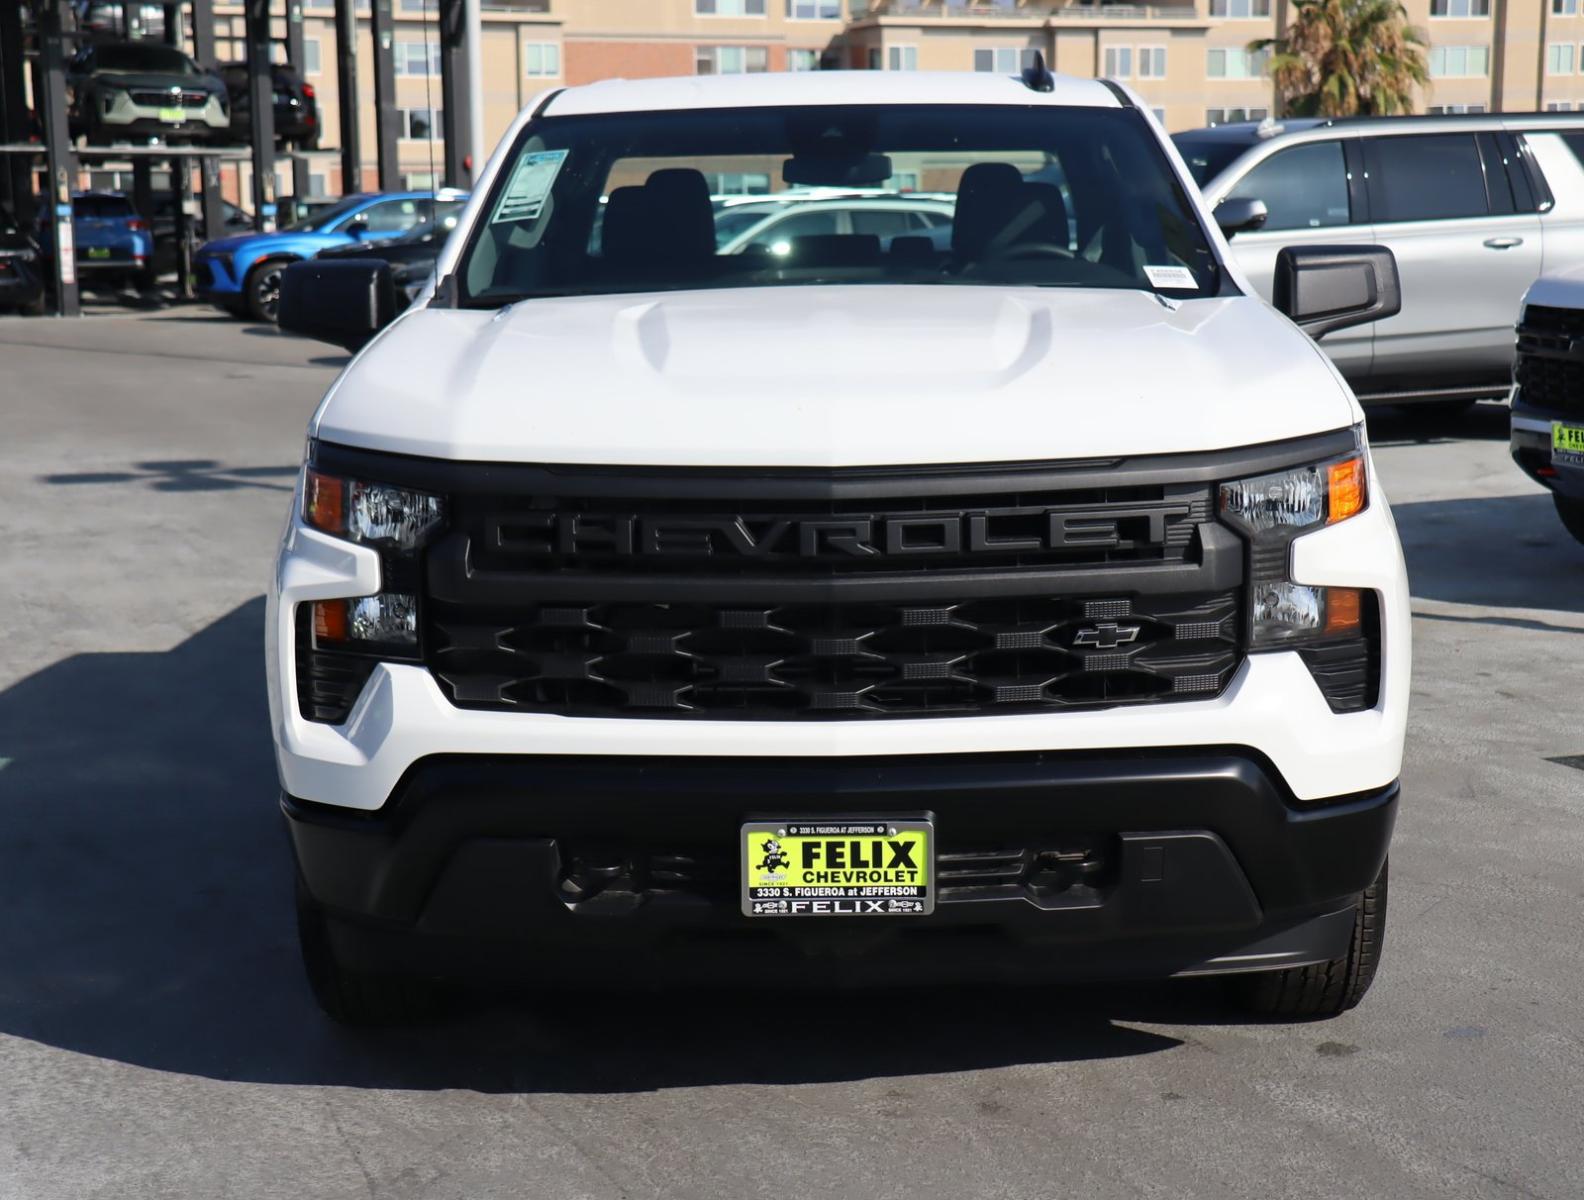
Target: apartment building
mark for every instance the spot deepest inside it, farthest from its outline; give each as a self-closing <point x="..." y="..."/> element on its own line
<point x="1188" y="59"/>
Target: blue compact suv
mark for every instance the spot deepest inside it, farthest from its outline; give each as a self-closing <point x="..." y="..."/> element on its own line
<point x="241" y="274"/>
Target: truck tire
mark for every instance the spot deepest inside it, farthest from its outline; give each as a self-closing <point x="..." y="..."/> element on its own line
<point x="357" y="998"/>
<point x="1572" y="513"/>
<point x="1326" y="989"/>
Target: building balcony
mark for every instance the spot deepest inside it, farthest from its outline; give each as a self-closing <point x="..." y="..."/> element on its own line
<point x="971" y="11"/>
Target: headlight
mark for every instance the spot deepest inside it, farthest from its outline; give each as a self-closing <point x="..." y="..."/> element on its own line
<point x="340" y="640"/>
<point x="370" y="513"/>
<point x="1271" y="511"/>
<point x="1288" y="502"/>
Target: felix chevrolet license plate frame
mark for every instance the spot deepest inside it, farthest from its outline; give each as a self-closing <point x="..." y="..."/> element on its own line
<point x="838" y="867"/>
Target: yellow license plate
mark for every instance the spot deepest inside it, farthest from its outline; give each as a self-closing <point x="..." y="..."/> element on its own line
<point x="1567" y="443"/>
<point x="838" y="868"/>
<point x="172" y="116"/>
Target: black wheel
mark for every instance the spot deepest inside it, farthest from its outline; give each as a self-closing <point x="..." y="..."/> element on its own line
<point x="359" y="998"/>
<point x="262" y="290"/>
<point x="1572" y="513"/>
<point x="1325" y="989"/>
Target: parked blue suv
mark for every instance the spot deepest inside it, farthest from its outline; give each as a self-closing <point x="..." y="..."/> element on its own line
<point x="241" y="274"/>
<point x="113" y="243"/>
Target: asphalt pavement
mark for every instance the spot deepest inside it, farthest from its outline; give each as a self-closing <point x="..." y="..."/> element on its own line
<point x="157" y="1040"/>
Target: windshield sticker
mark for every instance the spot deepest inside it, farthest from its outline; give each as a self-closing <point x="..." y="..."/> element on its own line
<point x="531" y="181"/>
<point x="1170" y="277"/>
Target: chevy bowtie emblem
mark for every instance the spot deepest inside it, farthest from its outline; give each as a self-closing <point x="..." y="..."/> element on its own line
<point x="1107" y="636"/>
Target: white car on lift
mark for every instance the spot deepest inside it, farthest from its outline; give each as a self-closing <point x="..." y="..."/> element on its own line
<point x="1025" y="606"/>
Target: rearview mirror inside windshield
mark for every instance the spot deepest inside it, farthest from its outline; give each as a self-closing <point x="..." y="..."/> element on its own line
<point x="864" y="170"/>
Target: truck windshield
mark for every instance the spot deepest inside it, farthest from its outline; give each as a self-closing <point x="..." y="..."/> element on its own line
<point x="1003" y="195"/>
<point x="1207" y="157"/>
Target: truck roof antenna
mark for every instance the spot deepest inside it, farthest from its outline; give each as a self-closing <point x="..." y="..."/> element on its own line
<point x="1037" y="76"/>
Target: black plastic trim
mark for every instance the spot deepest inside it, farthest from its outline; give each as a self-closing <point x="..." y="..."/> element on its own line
<point x="747" y="483"/>
<point x="470" y="850"/>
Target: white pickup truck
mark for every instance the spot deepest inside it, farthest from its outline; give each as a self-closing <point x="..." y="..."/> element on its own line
<point x="1016" y="605"/>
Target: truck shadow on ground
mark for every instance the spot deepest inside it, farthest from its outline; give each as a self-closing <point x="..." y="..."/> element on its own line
<point x="1491" y="551"/>
<point x="145" y="917"/>
<point x="1417" y="424"/>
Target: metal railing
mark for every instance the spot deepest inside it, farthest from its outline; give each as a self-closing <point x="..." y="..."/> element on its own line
<point x="1021" y="10"/>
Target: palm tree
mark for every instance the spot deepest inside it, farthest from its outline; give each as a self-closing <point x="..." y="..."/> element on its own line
<point x="1343" y="58"/>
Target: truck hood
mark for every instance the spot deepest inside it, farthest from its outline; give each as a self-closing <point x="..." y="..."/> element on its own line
<point x="835" y="376"/>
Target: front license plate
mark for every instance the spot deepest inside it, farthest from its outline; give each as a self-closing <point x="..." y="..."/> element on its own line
<point x="1567" y="444"/>
<point x="98" y="252"/>
<point x="172" y="116"/>
<point x="845" y="868"/>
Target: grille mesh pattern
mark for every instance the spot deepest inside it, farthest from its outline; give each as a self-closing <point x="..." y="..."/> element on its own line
<point x="834" y="660"/>
<point x="167" y="99"/>
<point x="1549" y="372"/>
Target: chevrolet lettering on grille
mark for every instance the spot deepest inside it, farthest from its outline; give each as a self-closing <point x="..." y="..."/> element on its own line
<point x="956" y="533"/>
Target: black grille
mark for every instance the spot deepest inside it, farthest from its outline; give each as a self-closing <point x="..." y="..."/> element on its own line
<point x="328" y="681"/>
<point x="1347" y="670"/>
<point x="162" y="98"/>
<point x="835" y="660"/>
<point x="823" y="600"/>
<point x="1071" y="866"/>
<point x="1550" y="371"/>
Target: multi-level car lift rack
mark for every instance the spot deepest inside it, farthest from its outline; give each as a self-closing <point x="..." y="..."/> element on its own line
<point x="44" y="31"/>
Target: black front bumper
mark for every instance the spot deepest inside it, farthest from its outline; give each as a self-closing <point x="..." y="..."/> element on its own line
<point x="609" y="867"/>
<point x="1531" y="450"/>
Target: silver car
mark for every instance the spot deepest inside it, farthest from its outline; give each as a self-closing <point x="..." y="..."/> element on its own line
<point x="1474" y="208"/>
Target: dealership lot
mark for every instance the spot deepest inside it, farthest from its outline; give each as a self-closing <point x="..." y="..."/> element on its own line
<point x="156" y="1038"/>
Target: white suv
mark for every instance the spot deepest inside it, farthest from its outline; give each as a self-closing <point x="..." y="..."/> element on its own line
<point x="1019" y="607"/>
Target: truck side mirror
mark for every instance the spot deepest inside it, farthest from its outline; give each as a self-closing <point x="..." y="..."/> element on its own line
<point x="343" y="302"/>
<point x="1239" y="214"/>
<point x="1325" y="288"/>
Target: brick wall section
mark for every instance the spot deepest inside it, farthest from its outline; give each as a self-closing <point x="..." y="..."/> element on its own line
<point x="591" y="61"/>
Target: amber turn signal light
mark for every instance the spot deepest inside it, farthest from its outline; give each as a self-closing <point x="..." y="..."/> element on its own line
<point x="1344" y="610"/>
<point x="1347" y="489"/>
<point x="330" y="620"/>
<point x="324" y="502"/>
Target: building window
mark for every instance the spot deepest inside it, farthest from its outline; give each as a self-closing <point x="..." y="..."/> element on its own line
<point x="1003" y="60"/>
<point x="418" y="124"/>
<point x="1227" y="116"/>
<point x="1559" y="59"/>
<point x="1465" y="62"/>
<point x="1441" y="110"/>
<point x="1119" y="62"/>
<point x="316" y="183"/>
<point x="1463" y="8"/>
<point x="738" y="183"/>
<point x="874" y="58"/>
<point x="1240" y="9"/>
<point x="1234" y="62"/>
<point x="541" y="59"/>
<point x="731" y="60"/>
<point x="729" y="8"/>
<point x="803" y="60"/>
<point x="421" y="181"/>
<point x="1559" y="106"/>
<point x="813" y="10"/>
<point x="417" y="58"/>
<point x="1564" y="8"/>
<point x="1152" y="62"/>
<point x="310" y="62"/>
<point x="1160" y="114"/>
<point x="418" y="6"/>
<point x="901" y="58"/>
